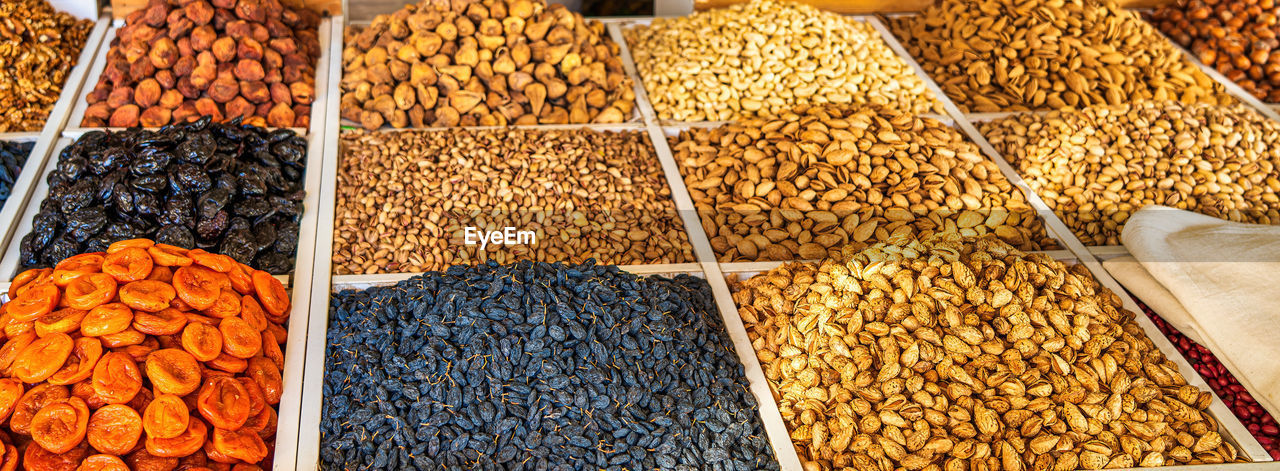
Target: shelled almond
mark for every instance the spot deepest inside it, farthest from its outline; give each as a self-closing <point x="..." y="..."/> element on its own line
<point x="485" y="63"/>
<point x="178" y="60"/>
<point x="1017" y="55"/>
<point x="806" y="183"/>
<point x="1096" y="166"/>
<point x="766" y="56"/>
<point x="954" y="353"/>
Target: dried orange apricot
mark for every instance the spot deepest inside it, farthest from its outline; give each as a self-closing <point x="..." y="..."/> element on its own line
<point x="227" y="305"/>
<point x="264" y="423"/>
<point x="161" y="274"/>
<point x="36" y="458"/>
<point x="141" y="400"/>
<point x="147" y="295"/>
<point x="11" y="458"/>
<point x="116" y="378"/>
<point x="117" y="246"/>
<point x="35" y="399"/>
<point x="278" y="331"/>
<point x="66" y="321"/>
<point x="115" y="429"/>
<point x="131" y="264"/>
<point x="125" y="338"/>
<point x="165" y="417"/>
<point x="102" y="463"/>
<point x="193" y="318"/>
<point x="275" y="299"/>
<point x="239" y="339"/>
<point x="33" y="303"/>
<point x="271" y="349"/>
<point x="241" y="278"/>
<point x="173" y="371"/>
<point x="202" y="341"/>
<point x="186" y="443"/>
<point x="217" y="262"/>
<point x="251" y="467"/>
<point x="198" y="286"/>
<point x="79" y="365"/>
<point x="10" y="392"/>
<point x="241" y="445"/>
<point x="60" y="426"/>
<point x="140" y="460"/>
<point x="14" y="329"/>
<point x="106" y="319"/>
<point x="264" y="372"/>
<point x="217" y="458"/>
<point x="167" y="321"/>
<point x="257" y="401"/>
<point x="224" y="402"/>
<point x="253" y="313"/>
<point x="228" y="363"/>
<point x="32" y="277"/>
<point x="14" y="346"/>
<point x="90" y="291"/>
<point x="75" y="266"/>
<point x="43" y="358"/>
<point x="169" y="256"/>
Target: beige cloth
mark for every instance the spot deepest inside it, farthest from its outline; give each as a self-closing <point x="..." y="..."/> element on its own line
<point x="1216" y="281"/>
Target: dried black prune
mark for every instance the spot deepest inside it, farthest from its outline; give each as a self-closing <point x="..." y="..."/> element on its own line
<point x="536" y="366"/>
<point x="198" y="184"/>
<point x="177" y="236"/>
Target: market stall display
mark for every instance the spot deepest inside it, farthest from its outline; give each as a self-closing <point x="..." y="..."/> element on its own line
<point x="766" y="57"/>
<point x="175" y="61"/>
<point x="493" y="63"/>
<point x="549" y="366"/>
<point x="1096" y="166"/>
<point x="146" y="354"/>
<point x="808" y="182"/>
<point x="39" y="45"/>
<point x="415" y="201"/>
<point x="12" y="157"/>
<point x="1014" y="55"/>
<point x="230" y="188"/>
<point x="960" y="352"/>
<point x="1238" y="38"/>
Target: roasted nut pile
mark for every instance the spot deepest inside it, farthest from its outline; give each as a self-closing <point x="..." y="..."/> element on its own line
<point x="536" y="366"/>
<point x="176" y="60"/>
<point x="1094" y="167"/>
<point x="806" y="183"/>
<point x="38" y="47"/>
<point x="12" y="156"/>
<point x="483" y="62"/>
<point x="765" y="57"/>
<point x="1014" y="55"/>
<point x="1237" y="37"/>
<point x="146" y="356"/>
<point x="237" y="190"/>
<point x="406" y="199"/>
<point x="965" y="353"/>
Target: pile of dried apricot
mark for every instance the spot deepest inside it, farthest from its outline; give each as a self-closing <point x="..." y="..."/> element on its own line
<point x="147" y="356"/>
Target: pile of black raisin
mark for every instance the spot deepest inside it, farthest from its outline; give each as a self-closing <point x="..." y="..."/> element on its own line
<point x="12" y="156"/>
<point x="226" y="188"/>
<point x="536" y="366"/>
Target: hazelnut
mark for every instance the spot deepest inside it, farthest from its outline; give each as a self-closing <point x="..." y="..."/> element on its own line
<point x="154" y="117"/>
<point x="224" y="49"/>
<point x="147" y="93"/>
<point x="125" y="116"/>
<point x="255" y="91"/>
<point x="249" y="70"/>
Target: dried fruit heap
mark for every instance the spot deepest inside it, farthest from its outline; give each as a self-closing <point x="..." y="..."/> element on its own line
<point x="148" y="355"/>
<point x="1011" y="55"/>
<point x="38" y="47"/>
<point x="536" y="366"/>
<point x="482" y="62"/>
<point x="965" y="353"/>
<point x="1237" y="37"/>
<point x="807" y="182"/>
<point x="12" y="156"/>
<point x="176" y="60"/>
<point x="234" y="189"/>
